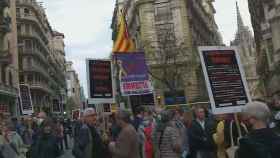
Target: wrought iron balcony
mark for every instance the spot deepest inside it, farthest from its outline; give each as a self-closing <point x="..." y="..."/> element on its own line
<point x="8" y="90"/>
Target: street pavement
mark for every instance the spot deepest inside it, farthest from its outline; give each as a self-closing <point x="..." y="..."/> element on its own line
<point x="68" y="153"/>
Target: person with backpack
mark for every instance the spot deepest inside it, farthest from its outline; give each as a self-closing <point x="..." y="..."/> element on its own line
<point x="261" y="142"/>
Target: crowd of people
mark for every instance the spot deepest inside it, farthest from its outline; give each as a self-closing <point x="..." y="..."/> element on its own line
<point x="175" y="133"/>
<point x="33" y="137"/>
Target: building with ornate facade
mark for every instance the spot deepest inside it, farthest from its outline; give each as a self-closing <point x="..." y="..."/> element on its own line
<point x="245" y="43"/>
<point x="8" y="57"/>
<point x="41" y="55"/>
<point x="73" y="87"/>
<point x="265" y="16"/>
<point x="190" y="23"/>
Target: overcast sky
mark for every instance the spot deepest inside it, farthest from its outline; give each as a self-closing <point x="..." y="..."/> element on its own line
<point x="86" y="25"/>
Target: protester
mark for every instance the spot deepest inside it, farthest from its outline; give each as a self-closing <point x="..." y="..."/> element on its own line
<point x="89" y="143"/>
<point x="262" y="142"/>
<point x="14" y="140"/>
<point x="1" y="136"/>
<point x="179" y="124"/>
<point x="148" y="125"/>
<point x="228" y="132"/>
<point x="166" y="137"/>
<point x="65" y="133"/>
<point x="46" y="146"/>
<point x="138" y="120"/>
<point x="201" y="142"/>
<point x="59" y="134"/>
<point x="126" y="145"/>
<point x="27" y="135"/>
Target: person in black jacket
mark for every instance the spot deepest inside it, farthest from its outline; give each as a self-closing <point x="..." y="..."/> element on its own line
<point x="46" y="146"/>
<point x="262" y="142"/>
<point x="200" y="135"/>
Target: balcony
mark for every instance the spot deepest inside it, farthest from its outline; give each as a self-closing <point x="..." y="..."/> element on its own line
<point x="34" y="35"/>
<point x="41" y="86"/>
<point x="33" y="18"/>
<point x="35" y="52"/>
<point x="8" y="90"/>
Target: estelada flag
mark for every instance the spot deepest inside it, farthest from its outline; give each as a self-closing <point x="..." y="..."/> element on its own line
<point x="123" y="42"/>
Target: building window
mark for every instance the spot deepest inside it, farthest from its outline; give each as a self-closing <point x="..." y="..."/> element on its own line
<point x="163" y="13"/>
<point x="3" y="72"/>
<point x="18" y="12"/>
<point x="28" y="44"/>
<point x="73" y="90"/>
<point x="10" y="78"/>
<point x="30" y="78"/>
<point x="19" y="29"/>
<point x="21" y="79"/>
<point x="26" y="12"/>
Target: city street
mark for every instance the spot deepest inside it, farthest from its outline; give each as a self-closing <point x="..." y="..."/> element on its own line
<point x="68" y="153"/>
<point x="140" y="78"/>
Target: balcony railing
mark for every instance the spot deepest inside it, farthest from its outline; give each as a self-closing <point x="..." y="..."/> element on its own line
<point x="36" y="36"/>
<point x="37" y="53"/>
<point x="9" y="90"/>
<point x="41" y="86"/>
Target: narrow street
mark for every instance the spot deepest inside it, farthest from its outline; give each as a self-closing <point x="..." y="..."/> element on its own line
<point x="68" y="153"/>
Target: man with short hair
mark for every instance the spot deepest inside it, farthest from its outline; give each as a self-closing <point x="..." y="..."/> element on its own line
<point x="89" y="143"/>
<point x="126" y="145"/>
<point x="201" y="131"/>
<point x="262" y="142"/>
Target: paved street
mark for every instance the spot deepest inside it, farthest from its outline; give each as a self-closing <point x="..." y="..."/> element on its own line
<point x="68" y="153"/>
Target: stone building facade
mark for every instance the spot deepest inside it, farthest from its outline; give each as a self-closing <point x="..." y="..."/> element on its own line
<point x="245" y="43"/>
<point x="41" y="55"/>
<point x="73" y="87"/>
<point x="190" y="22"/>
<point x="265" y="16"/>
<point x="8" y="57"/>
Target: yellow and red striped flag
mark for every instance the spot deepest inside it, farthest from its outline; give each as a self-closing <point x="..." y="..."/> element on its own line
<point x="123" y="42"/>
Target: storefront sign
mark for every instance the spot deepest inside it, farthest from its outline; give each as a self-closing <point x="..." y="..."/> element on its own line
<point x="25" y="100"/>
<point x="100" y="85"/>
<point x="225" y="79"/>
<point x="133" y="74"/>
